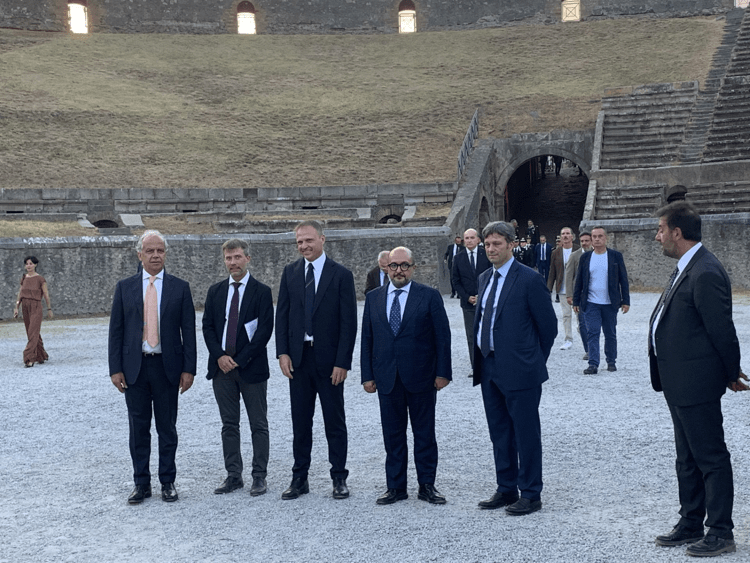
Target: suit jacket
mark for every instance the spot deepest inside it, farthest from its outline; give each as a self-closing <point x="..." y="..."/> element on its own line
<point x="571" y="272"/>
<point x="697" y="346"/>
<point x="617" y="280"/>
<point x="250" y="355"/>
<point x="373" y="280"/>
<point x="526" y="255"/>
<point x="557" y="269"/>
<point x="538" y="253"/>
<point x="449" y="254"/>
<point x="465" y="278"/>
<point x="334" y="315"/>
<point x="420" y="352"/>
<point x="176" y="328"/>
<point x="525" y="329"/>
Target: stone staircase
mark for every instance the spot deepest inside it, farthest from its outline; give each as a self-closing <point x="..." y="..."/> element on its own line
<point x="696" y="132"/>
<point x="725" y="197"/>
<point x="620" y="202"/>
<point x="729" y="135"/>
<point x="644" y="125"/>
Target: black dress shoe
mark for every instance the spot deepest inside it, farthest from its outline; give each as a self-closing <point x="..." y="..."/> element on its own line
<point x="391" y="496"/>
<point x="139" y="493"/>
<point x="680" y="535"/>
<point x="590" y="370"/>
<point x="711" y="546"/>
<point x="611" y="367"/>
<point x="340" y="489"/>
<point x="259" y="487"/>
<point x="298" y="488"/>
<point x="523" y="506"/>
<point x="498" y="500"/>
<point x="230" y="484"/>
<point x="168" y="492"/>
<point x="429" y="493"/>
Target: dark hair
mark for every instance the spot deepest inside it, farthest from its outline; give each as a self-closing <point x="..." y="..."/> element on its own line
<point x="501" y="228"/>
<point x="685" y="216"/>
<point x="34" y="259"/>
<point x="234" y="244"/>
<point x="585" y="233"/>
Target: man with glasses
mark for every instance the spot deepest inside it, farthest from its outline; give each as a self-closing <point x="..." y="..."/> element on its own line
<point x="406" y="358"/>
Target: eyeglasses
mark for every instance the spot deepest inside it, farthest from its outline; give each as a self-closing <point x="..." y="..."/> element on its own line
<point x="404" y="266"/>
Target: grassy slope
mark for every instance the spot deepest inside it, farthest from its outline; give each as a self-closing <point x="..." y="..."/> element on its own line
<point x="213" y="111"/>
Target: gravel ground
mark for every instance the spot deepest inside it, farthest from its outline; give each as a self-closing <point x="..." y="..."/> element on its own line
<point x="609" y="475"/>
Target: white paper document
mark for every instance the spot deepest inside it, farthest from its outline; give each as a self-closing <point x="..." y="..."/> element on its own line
<point x="250" y="328"/>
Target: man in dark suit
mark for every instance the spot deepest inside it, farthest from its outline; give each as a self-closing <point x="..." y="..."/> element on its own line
<point x="694" y="355"/>
<point x="514" y="330"/>
<point x="237" y="325"/>
<point x="601" y="289"/>
<point x="450" y="255"/>
<point x="466" y="269"/>
<point x="406" y="358"/>
<point x="152" y="357"/>
<point x="379" y="274"/>
<point x="526" y="253"/>
<point x="316" y="327"/>
<point x="542" y="255"/>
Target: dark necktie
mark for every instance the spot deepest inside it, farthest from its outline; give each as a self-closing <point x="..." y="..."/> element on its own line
<point x="662" y="300"/>
<point x="471" y="258"/>
<point x="309" y="298"/>
<point x="234" y="316"/>
<point x="395" y="318"/>
<point x="544" y="252"/>
<point x="487" y="313"/>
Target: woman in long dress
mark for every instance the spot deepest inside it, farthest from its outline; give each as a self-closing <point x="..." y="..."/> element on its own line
<point x="33" y="288"/>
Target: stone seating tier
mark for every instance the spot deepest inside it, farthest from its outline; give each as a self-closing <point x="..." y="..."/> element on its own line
<point x="619" y="202"/>
<point x="725" y="197"/>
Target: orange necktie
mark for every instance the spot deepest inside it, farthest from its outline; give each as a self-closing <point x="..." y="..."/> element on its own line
<point x="151" y="315"/>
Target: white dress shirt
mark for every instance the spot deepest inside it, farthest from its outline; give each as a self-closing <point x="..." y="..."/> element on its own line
<point x="486" y="295"/>
<point x="230" y="294"/>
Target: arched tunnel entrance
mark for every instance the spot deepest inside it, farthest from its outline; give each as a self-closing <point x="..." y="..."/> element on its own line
<point x="549" y="190"/>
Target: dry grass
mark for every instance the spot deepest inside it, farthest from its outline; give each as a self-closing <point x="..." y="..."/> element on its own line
<point x="43" y="229"/>
<point x="433" y="210"/>
<point x="214" y="111"/>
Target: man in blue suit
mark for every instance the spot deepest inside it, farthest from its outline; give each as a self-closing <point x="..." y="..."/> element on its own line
<point x="316" y="327"/>
<point x="542" y="254"/>
<point x="406" y="358"/>
<point x="152" y="356"/>
<point x="514" y="330"/>
<point x="601" y="289"/>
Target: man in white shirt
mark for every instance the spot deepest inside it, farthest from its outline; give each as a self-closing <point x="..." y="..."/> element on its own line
<point x="601" y="289"/>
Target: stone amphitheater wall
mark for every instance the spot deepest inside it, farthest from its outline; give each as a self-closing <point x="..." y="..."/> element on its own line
<point x="328" y="16"/>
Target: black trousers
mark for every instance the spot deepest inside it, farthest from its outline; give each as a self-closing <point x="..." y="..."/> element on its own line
<point x="704" y="468"/>
<point x="152" y="389"/>
<point x="308" y="383"/>
<point x="396" y="408"/>
<point x="228" y="389"/>
<point x="469" y="329"/>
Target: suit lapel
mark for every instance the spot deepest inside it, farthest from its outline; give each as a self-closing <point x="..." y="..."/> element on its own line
<point x="412" y="303"/>
<point x="137" y="293"/>
<point x="325" y="279"/>
<point x="683" y="275"/>
<point x="221" y="304"/>
<point x="380" y="305"/>
<point x="247" y="297"/>
<point x="507" y="287"/>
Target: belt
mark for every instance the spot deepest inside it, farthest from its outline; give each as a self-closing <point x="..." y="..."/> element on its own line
<point x="308" y="343"/>
<point x="151" y="354"/>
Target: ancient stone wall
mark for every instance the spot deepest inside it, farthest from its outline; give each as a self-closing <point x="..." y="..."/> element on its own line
<point x="327" y="16"/>
<point x="82" y="271"/>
